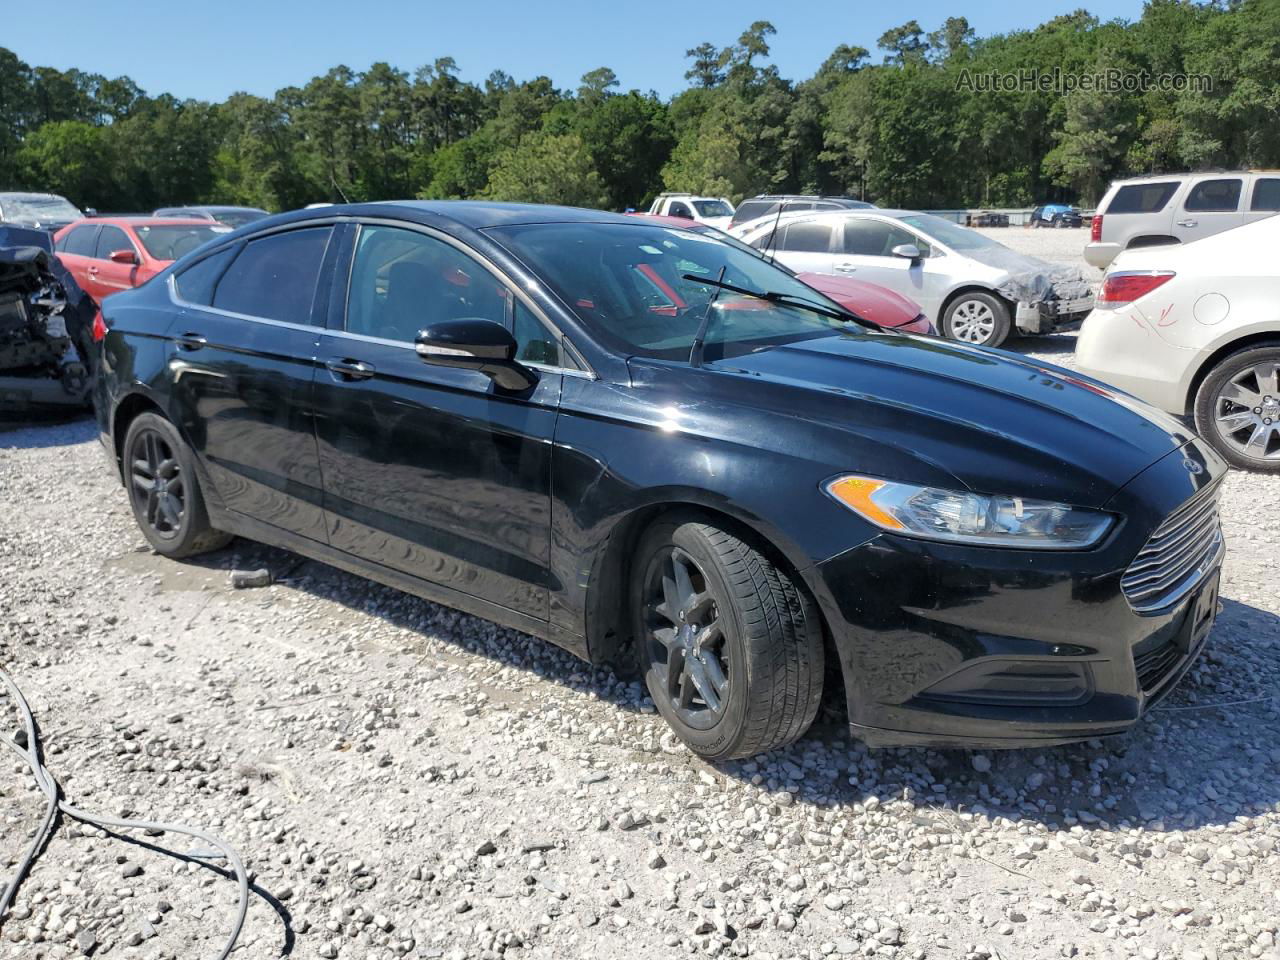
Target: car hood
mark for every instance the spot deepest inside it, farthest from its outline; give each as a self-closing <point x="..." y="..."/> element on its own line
<point x="996" y="422"/>
<point x="1030" y="279"/>
<point x="880" y="305"/>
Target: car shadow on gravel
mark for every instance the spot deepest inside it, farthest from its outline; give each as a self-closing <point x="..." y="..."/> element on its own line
<point x="54" y="431"/>
<point x="1201" y="757"/>
<point x="1056" y="344"/>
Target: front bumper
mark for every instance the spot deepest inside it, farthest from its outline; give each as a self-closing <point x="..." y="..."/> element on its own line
<point x="1047" y="316"/>
<point x="1057" y="652"/>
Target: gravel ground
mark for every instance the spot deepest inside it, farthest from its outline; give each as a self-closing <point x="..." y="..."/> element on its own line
<point x="407" y="781"/>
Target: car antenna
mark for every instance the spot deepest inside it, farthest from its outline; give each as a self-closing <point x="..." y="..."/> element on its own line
<point x="695" y="350"/>
<point x="771" y="247"/>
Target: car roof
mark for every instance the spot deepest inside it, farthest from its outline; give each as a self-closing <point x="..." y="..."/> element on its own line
<point x="473" y="214"/>
<point x="27" y="195"/>
<point x="1207" y="174"/>
<point x="142" y="220"/>
<point x="211" y="207"/>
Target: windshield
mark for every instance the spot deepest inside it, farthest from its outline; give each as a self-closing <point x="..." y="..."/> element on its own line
<point x="238" y="218"/>
<point x="628" y="285"/>
<point x="171" y="242"/>
<point x="41" y="209"/>
<point x="713" y="208"/>
<point x="944" y="231"/>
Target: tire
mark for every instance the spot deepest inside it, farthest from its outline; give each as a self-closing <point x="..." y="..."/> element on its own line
<point x="978" y="318"/>
<point x="1237" y="408"/>
<point x="757" y="683"/>
<point x="164" y="491"/>
<point x="1058" y="224"/>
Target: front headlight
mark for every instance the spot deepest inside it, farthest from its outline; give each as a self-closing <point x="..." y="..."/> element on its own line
<point x="964" y="517"/>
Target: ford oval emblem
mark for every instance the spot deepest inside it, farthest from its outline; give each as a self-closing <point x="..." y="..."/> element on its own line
<point x="1193" y="468"/>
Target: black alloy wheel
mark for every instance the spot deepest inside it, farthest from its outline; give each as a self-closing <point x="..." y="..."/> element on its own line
<point x="686" y="639"/>
<point x="157" y="484"/>
<point x="730" y="646"/>
<point x="164" y="491"/>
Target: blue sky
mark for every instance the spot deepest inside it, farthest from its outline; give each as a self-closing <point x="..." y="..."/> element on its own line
<point x="209" y="50"/>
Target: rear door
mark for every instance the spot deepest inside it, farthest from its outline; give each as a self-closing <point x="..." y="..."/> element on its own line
<point x="1264" y="198"/>
<point x="113" y="277"/>
<point x="77" y="255"/>
<point x="806" y="245"/>
<point x="242" y="365"/>
<point x="436" y="472"/>
<point x="1210" y="206"/>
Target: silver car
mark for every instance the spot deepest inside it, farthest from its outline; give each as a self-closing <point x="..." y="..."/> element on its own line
<point x="971" y="287"/>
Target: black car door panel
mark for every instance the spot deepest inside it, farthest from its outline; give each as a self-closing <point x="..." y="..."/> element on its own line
<point x="434" y="471"/>
<point x="241" y="382"/>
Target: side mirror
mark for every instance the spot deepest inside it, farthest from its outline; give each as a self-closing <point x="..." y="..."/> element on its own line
<point x="475" y="344"/>
<point x="123" y="256"/>
<point x="908" y="251"/>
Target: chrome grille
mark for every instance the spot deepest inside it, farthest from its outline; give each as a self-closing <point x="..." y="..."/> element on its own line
<point x="1184" y="548"/>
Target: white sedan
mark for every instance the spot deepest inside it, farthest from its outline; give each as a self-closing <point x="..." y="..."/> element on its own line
<point x="969" y="286"/>
<point x="1195" y="329"/>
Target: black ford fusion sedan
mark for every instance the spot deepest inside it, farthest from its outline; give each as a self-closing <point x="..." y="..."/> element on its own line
<point x="497" y="407"/>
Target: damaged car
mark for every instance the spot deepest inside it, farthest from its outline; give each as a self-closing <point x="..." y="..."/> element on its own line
<point x="971" y="287"/>
<point x="46" y="328"/>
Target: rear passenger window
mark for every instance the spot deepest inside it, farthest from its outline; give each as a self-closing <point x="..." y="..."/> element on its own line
<point x="806" y="238"/>
<point x="1266" y="194"/>
<point x="1142" y="197"/>
<point x="196" y="283"/>
<point x="275" y="277"/>
<point x="80" y="241"/>
<point x="110" y="240"/>
<point x="1214" y="196"/>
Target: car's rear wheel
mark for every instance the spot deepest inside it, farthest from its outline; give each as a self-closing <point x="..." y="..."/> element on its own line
<point x="164" y="490"/>
<point x="730" y="646"/>
<point x="1237" y="408"/>
<point x="978" y="318"/>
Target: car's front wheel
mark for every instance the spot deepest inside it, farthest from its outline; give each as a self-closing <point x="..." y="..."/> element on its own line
<point x="730" y="646"/>
<point x="1237" y="408"/>
<point x="164" y="490"/>
<point x="978" y="318"/>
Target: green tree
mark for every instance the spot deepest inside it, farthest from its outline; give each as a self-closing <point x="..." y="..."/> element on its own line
<point x="69" y="157"/>
<point x="547" y="168"/>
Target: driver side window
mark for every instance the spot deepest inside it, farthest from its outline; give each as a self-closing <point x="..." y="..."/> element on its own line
<point x="876" y="238"/>
<point x="403" y="281"/>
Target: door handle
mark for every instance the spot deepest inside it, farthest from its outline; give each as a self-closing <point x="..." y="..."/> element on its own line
<point x="846" y="267"/>
<point x="346" y="369"/>
<point x="93" y="269"/>
<point x="1188" y="223"/>
<point x="191" y="341"/>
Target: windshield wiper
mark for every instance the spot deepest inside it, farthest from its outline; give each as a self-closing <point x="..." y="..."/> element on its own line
<point x="789" y="299"/>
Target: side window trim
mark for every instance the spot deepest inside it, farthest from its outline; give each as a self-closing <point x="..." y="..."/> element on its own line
<point x="343" y="296"/>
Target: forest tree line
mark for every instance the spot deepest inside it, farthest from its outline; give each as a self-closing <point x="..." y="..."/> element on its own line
<point x="903" y="125"/>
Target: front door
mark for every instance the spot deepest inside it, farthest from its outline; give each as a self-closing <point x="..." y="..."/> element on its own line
<point x="867" y="245"/>
<point x="241" y="368"/>
<point x="112" y="277"/>
<point x="435" y="472"/>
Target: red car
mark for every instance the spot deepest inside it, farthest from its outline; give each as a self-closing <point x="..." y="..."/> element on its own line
<point x="883" y="307"/>
<point x="110" y="254"/>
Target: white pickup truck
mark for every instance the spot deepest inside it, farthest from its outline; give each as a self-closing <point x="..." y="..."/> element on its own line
<point x="713" y="211"/>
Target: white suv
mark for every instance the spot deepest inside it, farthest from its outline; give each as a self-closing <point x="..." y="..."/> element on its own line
<point x="713" y="211"/>
<point x="1178" y="208"/>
